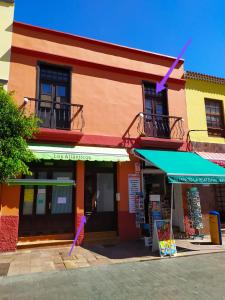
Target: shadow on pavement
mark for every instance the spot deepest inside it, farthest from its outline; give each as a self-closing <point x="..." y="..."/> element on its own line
<point x="125" y="250"/>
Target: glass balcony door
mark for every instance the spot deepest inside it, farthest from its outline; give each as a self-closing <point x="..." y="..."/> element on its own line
<point x="54" y="98"/>
<point x="156" y="118"/>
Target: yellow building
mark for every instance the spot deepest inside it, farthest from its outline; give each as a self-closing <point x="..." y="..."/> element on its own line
<point x="205" y="99"/>
<point x="6" y="21"/>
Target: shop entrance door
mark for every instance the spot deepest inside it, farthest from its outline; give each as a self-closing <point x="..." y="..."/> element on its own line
<point x="46" y="210"/>
<point x="220" y="201"/>
<point x="100" y="205"/>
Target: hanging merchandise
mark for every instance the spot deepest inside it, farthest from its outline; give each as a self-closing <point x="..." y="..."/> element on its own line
<point x="194" y="208"/>
<point x="140" y="209"/>
<point x="154" y="212"/>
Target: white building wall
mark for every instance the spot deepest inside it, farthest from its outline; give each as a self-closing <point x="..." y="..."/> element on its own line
<point x="6" y="24"/>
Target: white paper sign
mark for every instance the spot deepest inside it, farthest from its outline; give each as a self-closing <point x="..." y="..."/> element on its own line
<point x="154" y="197"/>
<point x="61" y="200"/>
<point x="133" y="188"/>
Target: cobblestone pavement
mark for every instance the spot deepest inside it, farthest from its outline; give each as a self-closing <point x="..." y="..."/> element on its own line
<point x="57" y="258"/>
<point x="200" y="277"/>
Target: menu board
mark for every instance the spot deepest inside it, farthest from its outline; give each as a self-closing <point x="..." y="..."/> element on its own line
<point x="133" y="189"/>
<point x="161" y="238"/>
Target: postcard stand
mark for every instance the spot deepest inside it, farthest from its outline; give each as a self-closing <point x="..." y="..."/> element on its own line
<point x="139" y="208"/>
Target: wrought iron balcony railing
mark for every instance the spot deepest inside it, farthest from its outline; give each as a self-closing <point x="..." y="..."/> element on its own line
<point x="56" y="115"/>
<point x="160" y="126"/>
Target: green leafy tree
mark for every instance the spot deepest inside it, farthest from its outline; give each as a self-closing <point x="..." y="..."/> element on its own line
<point x="16" y="127"/>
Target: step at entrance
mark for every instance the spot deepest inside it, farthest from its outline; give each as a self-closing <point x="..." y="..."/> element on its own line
<point x="45" y="240"/>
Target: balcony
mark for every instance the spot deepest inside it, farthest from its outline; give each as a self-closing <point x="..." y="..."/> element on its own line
<point x="160" y="126"/>
<point x="56" y="115"/>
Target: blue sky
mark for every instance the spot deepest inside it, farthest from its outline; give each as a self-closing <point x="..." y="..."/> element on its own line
<point x="162" y="26"/>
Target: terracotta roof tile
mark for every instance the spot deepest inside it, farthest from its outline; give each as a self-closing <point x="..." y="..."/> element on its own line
<point x="203" y="77"/>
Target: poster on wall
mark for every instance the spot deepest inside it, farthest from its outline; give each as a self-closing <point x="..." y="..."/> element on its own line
<point x="133" y="189"/>
<point x="61" y="200"/>
<point x="161" y="238"/>
<point x="40" y="198"/>
<point x="28" y="194"/>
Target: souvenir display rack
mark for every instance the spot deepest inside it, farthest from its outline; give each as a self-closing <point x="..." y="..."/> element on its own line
<point x="194" y="211"/>
<point x="140" y="209"/>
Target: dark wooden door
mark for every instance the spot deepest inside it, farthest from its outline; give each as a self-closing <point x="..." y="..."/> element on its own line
<point x="100" y="204"/>
<point x="46" y="210"/>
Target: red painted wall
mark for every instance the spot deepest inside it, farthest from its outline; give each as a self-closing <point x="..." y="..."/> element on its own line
<point x="126" y="221"/>
<point x="9" y="217"/>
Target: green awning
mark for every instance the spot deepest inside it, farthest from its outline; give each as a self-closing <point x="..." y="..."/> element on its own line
<point x="61" y="152"/>
<point x="184" y="167"/>
<point x="41" y="182"/>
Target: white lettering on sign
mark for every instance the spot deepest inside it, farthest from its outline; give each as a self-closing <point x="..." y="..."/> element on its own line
<point x="61" y="200"/>
<point x="154" y="197"/>
<point x="133" y="189"/>
<point x="71" y="156"/>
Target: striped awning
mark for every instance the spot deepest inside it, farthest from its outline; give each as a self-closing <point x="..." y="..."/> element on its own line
<point x="183" y="167"/>
<point x="66" y="152"/>
<point x="217" y="158"/>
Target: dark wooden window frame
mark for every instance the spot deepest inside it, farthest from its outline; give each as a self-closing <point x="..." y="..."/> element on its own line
<point x="56" y="66"/>
<point x="215" y="131"/>
<point x="144" y="83"/>
<point x="56" y="111"/>
<point x="45" y="168"/>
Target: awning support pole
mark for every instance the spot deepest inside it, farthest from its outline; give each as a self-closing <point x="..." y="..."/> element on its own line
<point x="171" y="217"/>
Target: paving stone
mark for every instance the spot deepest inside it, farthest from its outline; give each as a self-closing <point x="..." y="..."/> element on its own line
<point x="60" y="266"/>
<point x="47" y="259"/>
<point x="58" y="260"/>
<point x="91" y="259"/>
<point x="16" y="269"/>
<point x="4" y="260"/>
<point x="82" y="265"/>
<point x="99" y="256"/>
<point x="69" y="264"/>
<point x="67" y="257"/>
<point x="81" y="260"/>
<point x="4" y="268"/>
<point x="35" y="269"/>
<point x="100" y="262"/>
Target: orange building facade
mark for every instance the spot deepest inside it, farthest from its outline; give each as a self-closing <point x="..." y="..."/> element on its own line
<point x="101" y="98"/>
